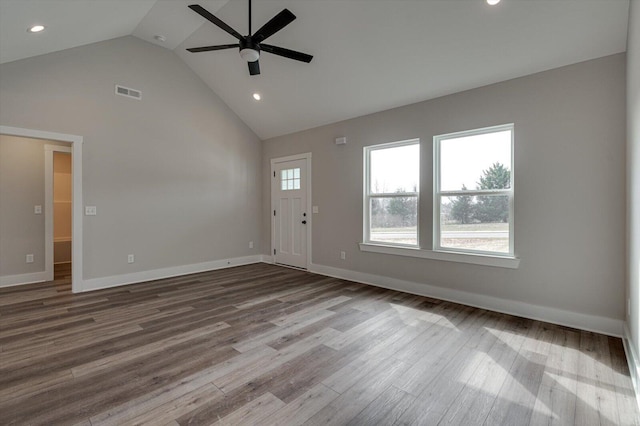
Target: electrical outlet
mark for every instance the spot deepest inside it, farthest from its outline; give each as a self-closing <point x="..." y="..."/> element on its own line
<point x="37" y="209"/>
<point x="131" y="258"/>
<point x="250" y="244"/>
<point x="314" y="209"/>
<point x="29" y="258"/>
<point x="343" y="255"/>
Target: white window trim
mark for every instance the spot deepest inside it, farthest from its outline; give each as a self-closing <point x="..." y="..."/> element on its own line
<point x="437" y="194"/>
<point x="366" y="232"/>
<point x="473" y="258"/>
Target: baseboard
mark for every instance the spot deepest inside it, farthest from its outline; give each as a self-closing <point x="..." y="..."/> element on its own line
<point x="598" y="324"/>
<point x="266" y="258"/>
<point x="33" y="277"/>
<point x="156" y="274"/>
<point x="633" y="360"/>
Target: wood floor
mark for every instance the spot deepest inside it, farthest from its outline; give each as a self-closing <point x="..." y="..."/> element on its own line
<point x="266" y="345"/>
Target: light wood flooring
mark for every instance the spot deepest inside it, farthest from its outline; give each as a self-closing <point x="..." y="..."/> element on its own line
<point x="267" y="345"/>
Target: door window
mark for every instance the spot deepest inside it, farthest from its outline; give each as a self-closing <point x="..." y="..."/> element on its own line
<point x="290" y="179"/>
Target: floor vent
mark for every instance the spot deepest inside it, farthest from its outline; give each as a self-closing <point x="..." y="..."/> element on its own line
<point x="130" y="93"/>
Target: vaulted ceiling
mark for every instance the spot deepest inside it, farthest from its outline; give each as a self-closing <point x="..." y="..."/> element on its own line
<point x="369" y="55"/>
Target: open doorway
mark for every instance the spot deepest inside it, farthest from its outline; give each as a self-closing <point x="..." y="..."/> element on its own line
<point x="62" y="209"/>
<point x="72" y="146"/>
<point x="58" y="210"/>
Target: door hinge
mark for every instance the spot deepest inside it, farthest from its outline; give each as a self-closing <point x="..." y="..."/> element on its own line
<point x="274" y="212"/>
<point x="274" y="173"/>
<point x="274" y="252"/>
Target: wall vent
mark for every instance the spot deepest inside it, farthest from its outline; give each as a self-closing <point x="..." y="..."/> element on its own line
<point x="130" y="93"/>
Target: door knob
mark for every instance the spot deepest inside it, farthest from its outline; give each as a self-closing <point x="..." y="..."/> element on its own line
<point x="304" y="222"/>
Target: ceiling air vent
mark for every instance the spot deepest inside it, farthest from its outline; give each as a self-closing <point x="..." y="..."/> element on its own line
<point x="130" y="93"/>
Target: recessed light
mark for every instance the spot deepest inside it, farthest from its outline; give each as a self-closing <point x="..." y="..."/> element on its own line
<point x="257" y="96"/>
<point x="492" y="2"/>
<point x="36" y="29"/>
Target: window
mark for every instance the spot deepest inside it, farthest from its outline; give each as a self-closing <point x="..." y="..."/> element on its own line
<point x="290" y="179"/>
<point x="473" y="191"/>
<point x="392" y="178"/>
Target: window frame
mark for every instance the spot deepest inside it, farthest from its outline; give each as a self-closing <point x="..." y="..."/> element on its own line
<point x="438" y="193"/>
<point x="367" y="195"/>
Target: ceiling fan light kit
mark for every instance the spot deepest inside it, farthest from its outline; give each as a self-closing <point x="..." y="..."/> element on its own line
<point x="250" y="46"/>
<point x="249" y="55"/>
<point x="249" y="51"/>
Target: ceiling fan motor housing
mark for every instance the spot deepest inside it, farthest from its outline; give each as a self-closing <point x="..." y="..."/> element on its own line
<point x="249" y="50"/>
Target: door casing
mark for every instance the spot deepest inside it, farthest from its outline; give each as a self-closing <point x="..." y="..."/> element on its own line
<point x="305" y="156"/>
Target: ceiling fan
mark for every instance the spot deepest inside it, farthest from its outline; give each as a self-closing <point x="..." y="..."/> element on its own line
<point x="251" y="45"/>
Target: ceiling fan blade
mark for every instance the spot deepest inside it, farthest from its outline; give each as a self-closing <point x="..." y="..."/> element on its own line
<point x="215" y="20"/>
<point x="276" y="23"/>
<point x="210" y="48"/>
<point x="287" y="53"/>
<point x="254" y="68"/>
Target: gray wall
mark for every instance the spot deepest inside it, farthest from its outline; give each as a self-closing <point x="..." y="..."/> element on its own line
<point x="175" y="176"/>
<point x="569" y="186"/>
<point x="21" y="188"/>
<point x="633" y="173"/>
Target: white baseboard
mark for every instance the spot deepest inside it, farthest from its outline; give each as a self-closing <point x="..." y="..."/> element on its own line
<point x="33" y="277"/>
<point x="266" y="258"/>
<point x="156" y="274"/>
<point x="603" y="325"/>
<point x="633" y="360"/>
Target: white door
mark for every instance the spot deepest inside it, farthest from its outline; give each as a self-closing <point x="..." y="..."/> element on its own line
<point x="290" y="216"/>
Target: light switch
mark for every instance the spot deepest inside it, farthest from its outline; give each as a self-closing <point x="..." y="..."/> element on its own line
<point x="315" y="209"/>
<point x="37" y="209"/>
<point x="90" y="210"/>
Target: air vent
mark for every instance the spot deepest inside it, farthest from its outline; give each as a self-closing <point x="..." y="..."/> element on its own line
<point x="130" y="93"/>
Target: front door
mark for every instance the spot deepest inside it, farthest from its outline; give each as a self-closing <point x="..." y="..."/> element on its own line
<point x="289" y="205"/>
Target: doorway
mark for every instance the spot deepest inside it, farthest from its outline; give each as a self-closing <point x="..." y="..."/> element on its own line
<point x="58" y="211"/>
<point x="62" y="208"/>
<point x="76" y="205"/>
<point x="291" y="209"/>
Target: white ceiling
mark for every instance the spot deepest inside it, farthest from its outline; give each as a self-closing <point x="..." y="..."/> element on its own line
<point x="369" y="55"/>
<point x="68" y="24"/>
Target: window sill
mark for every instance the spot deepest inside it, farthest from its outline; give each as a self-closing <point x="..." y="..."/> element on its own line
<point x="476" y="259"/>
